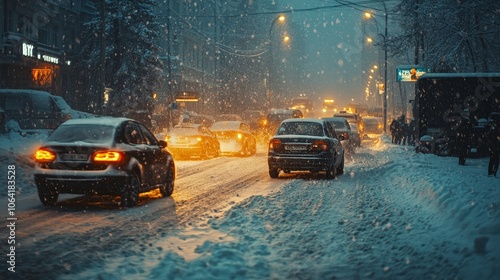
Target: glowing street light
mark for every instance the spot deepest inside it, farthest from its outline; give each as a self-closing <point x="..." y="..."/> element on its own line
<point x="369" y="15"/>
<point x="280" y="19"/>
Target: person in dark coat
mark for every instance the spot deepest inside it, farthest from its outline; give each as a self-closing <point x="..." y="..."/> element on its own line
<point x="464" y="131"/>
<point x="394" y="130"/>
<point x="412" y="132"/>
<point x="493" y="141"/>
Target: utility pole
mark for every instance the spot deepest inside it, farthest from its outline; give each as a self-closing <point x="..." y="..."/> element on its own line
<point x="102" y="60"/>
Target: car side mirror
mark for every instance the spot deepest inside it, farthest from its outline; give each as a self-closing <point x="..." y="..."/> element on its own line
<point x="344" y="136"/>
<point x="162" y="144"/>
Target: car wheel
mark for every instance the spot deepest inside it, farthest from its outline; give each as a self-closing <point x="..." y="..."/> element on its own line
<point x="130" y="193"/>
<point x="167" y="188"/>
<point x="205" y="154"/>
<point x="245" y="151"/>
<point x="274" y="173"/>
<point x="47" y="197"/>
<point x="331" y="172"/>
<point x="340" y="169"/>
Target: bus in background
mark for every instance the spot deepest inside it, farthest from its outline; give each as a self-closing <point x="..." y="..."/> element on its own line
<point x="357" y="108"/>
<point x="441" y="98"/>
<point x="304" y="104"/>
<point x="329" y="108"/>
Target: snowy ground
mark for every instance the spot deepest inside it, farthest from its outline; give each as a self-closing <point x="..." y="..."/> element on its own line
<point x="395" y="214"/>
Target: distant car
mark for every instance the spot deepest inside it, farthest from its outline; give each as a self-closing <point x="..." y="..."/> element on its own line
<point x="373" y="125"/>
<point x="276" y="116"/>
<point x="235" y="138"/>
<point x="193" y="140"/>
<point x="306" y="145"/>
<point x="352" y="118"/>
<point x="342" y="127"/>
<point x="105" y="156"/>
<point x="355" y="136"/>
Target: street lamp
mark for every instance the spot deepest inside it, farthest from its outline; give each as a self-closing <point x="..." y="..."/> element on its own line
<point x="370" y="16"/>
<point x="281" y="19"/>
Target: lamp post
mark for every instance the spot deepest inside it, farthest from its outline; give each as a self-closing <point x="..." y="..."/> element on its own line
<point x="280" y="18"/>
<point x="369" y="15"/>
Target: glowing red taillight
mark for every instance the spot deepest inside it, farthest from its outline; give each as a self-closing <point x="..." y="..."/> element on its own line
<point x="320" y="145"/>
<point x="107" y="156"/>
<point x="42" y="155"/>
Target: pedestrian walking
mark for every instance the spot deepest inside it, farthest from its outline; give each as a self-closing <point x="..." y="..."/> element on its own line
<point x="393" y="128"/>
<point x="464" y="131"/>
<point x="493" y="141"/>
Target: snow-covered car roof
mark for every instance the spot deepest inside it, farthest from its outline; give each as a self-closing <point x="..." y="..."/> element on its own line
<point x="109" y="121"/>
<point x="304" y="120"/>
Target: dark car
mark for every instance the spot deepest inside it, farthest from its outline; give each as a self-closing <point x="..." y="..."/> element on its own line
<point x="306" y="145"/>
<point x="276" y="116"/>
<point x="352" y="118"/>
<point x="235" y="138"/>
<point x="103" y="155"/>
<point x="193" y="140"/>
<point x="33" y="110"/>
<point x="373" y="125"/>
<point x="342" y="127"/>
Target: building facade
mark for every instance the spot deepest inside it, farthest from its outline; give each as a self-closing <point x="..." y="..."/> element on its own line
<point x="38" y="43"/>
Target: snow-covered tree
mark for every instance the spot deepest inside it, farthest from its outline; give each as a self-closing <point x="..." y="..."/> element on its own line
<point x="449" y="35"/>
<point x="132" y="62"/>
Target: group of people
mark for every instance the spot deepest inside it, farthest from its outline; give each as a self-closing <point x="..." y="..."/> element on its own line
<point x="402" y="132"/>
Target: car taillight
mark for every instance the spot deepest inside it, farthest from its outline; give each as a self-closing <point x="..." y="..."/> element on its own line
<point x="274" y="144"/>
<point x="320" y="145"/>
<point x="107" y="156"/>
<point x="42" y="155"/>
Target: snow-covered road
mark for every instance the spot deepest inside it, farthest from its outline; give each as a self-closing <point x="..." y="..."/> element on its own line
<point x="394" y="214"/>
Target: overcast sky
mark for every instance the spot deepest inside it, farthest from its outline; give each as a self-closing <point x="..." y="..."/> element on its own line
<point x="332" y="46"/>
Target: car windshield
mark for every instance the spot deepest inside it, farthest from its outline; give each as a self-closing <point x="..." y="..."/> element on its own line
<point x="301" y="128"/>
<point x="62" y="103"/>
<point x="338" y="124"/>
<point x="82" y="132"/>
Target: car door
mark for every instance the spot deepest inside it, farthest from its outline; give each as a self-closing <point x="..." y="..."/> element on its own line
<point x="138" y="149"/>
<point x="337" y="146"/>
<point x="156" y="159"/>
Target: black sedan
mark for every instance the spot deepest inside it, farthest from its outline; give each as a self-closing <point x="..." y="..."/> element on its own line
<point x="106" y="156"/>
<point x="306" y="145"/>
<point x="192" y="140"/>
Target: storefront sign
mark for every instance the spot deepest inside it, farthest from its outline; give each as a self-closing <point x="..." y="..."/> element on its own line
<point x="29" y="51"/>
<point x="410" y="73"/>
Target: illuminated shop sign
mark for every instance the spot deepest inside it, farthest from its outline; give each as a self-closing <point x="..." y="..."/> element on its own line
<point x="187" y="97"/>
<point x="29" y="51"/>
<point x="410" y="73"/>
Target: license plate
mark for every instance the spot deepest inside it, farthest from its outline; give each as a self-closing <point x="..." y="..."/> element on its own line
<point x="74" y="157"/>
<point x="295" y="148"/>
